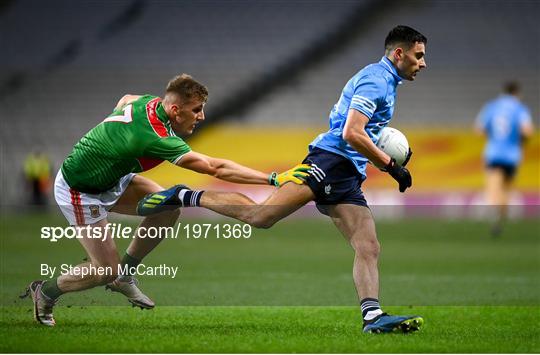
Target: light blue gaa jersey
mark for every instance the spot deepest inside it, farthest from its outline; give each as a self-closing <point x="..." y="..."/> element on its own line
<point x="372" y="91"/>
<point x="502" y="120"/>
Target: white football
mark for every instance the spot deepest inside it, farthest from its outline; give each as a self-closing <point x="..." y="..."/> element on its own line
<point x="394" y="143"/>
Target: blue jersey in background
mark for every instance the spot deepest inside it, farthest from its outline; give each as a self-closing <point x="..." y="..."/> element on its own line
<point x="372" y="91"/>
<point x="501" y="120"/>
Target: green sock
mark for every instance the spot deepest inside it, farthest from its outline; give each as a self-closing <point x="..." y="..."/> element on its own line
<point x="51" y="290"/>
<point x="130" y="262"/>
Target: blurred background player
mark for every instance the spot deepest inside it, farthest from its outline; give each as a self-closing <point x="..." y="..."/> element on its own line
<point x="506" y="122"/>
<point x="37" y="171"/>
<point x="338" y="158"/>
<point x="99" y="176"/>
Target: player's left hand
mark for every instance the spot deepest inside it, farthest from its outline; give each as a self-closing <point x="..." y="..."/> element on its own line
<point x="400" y="174"/>
<point x="298" y="175"/>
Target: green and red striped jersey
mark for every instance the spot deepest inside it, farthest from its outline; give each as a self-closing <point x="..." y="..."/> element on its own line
<point x="135" y="138"/>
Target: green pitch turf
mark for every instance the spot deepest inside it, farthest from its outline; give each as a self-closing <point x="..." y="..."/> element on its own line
<point x="289" y="289"/>
<point x="269" y="330"/>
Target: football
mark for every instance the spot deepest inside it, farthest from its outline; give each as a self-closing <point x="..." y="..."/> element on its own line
<point x="394" y="143"/>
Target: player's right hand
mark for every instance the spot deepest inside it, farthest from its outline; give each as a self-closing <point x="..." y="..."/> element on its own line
<point x="298" y="175"/>
<point x="400" y="174"/>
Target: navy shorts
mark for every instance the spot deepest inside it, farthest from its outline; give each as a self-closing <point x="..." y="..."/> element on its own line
<point x="509" y="170"/>
<point x="334" y="180"/>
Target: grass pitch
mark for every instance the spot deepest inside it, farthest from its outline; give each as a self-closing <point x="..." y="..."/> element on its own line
<point x="289" y="289"/>
<point x="261" y="329"/>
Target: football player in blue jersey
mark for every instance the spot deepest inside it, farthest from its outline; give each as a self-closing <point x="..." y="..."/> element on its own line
<point x="507" y="123"/>
<point x="338" y="161"/>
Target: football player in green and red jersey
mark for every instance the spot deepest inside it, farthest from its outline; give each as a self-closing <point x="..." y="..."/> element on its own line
<point x="100" y="176"/>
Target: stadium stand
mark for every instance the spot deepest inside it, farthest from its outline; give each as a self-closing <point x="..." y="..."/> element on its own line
<point x="66" y="73"/>
<point x="473" y="47"/>
<point x="69" y="62"/>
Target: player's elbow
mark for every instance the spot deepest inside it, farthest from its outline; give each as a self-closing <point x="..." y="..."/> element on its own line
<point x="217" y="169"/>
<point x="214" y="173"/>
<point x="205" y="167"/>
<point x="351" y="136"/>
<point x="218" y="173"/>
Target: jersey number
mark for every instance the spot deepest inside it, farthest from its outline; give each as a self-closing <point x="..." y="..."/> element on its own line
<point x="501" y="127"/>
<point x="126" y="118"/>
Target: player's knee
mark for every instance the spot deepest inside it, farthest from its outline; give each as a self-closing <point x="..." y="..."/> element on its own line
<point x="367" y="249"/>
<point x="261" y="222"/>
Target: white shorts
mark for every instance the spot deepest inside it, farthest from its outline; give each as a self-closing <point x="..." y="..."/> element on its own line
<point x="81" y="208"/>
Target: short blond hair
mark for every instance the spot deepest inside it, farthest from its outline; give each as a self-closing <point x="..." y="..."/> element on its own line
<point x="187" y="88"/>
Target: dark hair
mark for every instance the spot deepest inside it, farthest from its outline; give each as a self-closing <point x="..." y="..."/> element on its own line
<point x="187" y="88"/>
<point x="403" y="35"/>
<point x="511" y="87"/>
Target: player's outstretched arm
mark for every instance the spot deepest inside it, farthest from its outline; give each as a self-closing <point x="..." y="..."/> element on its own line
<point x="355" y="134"/>
<point x="233" y="172"/>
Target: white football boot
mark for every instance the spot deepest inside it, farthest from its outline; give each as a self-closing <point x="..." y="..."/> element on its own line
<point x="43" y="306"/>
<point x="129" y="289"/>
